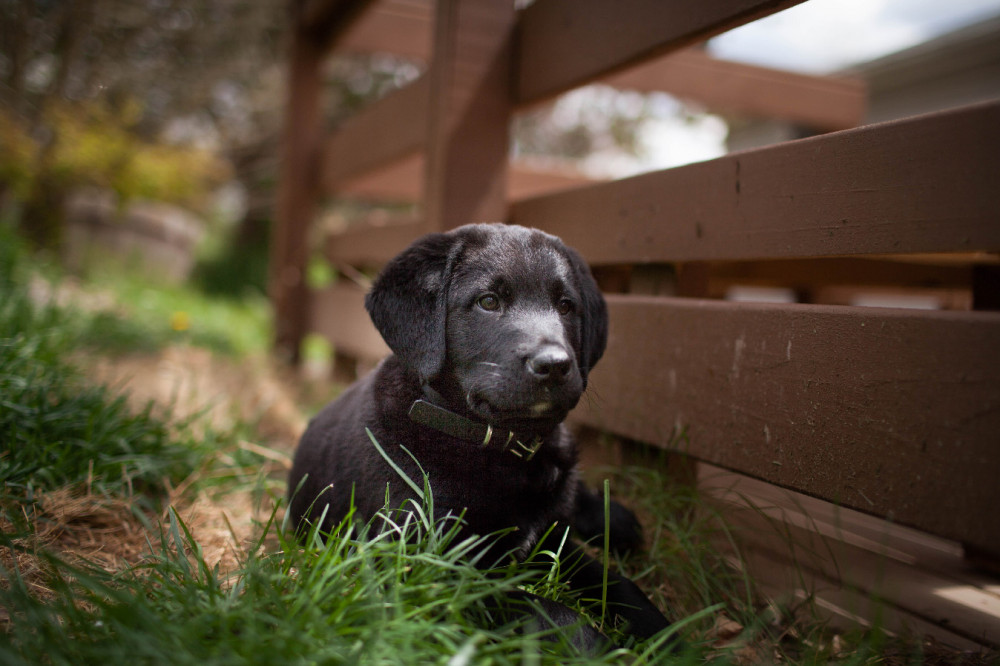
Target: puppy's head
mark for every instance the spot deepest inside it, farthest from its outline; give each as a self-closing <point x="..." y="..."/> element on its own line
<point x="505" y="322"/>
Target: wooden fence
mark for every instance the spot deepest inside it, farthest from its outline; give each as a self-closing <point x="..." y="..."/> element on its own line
<point x="892" y="412"/>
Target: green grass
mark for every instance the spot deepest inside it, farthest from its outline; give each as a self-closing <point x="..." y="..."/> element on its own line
<point x="55" y="428"/>
<point x="156" y="315"/>
<point x="400" y="593"/>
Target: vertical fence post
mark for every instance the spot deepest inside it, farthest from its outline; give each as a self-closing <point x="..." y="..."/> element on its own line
<point x="470" y="105"/>
<point x="298" y="194"/>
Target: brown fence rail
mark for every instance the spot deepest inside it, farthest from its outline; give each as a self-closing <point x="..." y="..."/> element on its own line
<point x="895" y="413"/>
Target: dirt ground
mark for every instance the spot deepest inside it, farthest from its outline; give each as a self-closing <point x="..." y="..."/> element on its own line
<point x="219" y="393"/>
<point x="186" y="384"/>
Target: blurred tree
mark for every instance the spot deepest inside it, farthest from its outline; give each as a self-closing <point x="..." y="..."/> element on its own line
<point x="176" y="70"/>
<point x="175" y="57"/>
<point x="586" y="120"/>
<point x="202" y="72"/>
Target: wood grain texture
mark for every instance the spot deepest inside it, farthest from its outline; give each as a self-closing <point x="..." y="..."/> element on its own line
<point x="821" y="102"/>
<point x="821" y="548"/>
<point x="925" y="184"/>
<point x="386" y="131"/>
<point x="403" y="181"/>
<point x="373" y="245"/>
<point x="323" y="22"/>
<point x="339" y="315"/>
<point x="400" y="27"/>
<point x="891" y="412"/>
<point x="563" y="44"/>
<point x="297" y="197"/>
<point x="469" y="113"/>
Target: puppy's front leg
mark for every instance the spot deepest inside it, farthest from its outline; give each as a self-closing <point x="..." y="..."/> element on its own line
<point x="625" y="533"/>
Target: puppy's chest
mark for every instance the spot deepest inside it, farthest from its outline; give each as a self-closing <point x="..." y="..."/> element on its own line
<point x="489" y="476"/>
<point x="500" y="491"/>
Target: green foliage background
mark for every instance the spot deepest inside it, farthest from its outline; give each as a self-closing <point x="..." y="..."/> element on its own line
<point x="92" y="145"/>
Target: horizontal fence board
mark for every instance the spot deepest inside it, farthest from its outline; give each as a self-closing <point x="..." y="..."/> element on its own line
<point x="403" y="181"/>
<point x="325" y="21"/>
<point x="338" y="314"/>
<point x="842" y="607"/>
<point x="398" y="182"/>
<point x="527" y="179"/>
<point x="563" y="44"/>
<point x="821" y="102"/>
<point x="845" y="566"/>
<point x="387" y="130"/>
<point x="907" y="569"/>
<point x="891" y="412"/>
<point x="373" y="245"/>
<point x="925" y="184"/>
<point x="400" y="27"/>
<point x="809" y="273"/>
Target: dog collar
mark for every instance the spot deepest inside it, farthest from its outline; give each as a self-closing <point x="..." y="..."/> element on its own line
<point x="457" y="426"/>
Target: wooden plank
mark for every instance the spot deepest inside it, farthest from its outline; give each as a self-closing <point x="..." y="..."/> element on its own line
<point x="890" y="412"/>
<point x="297" y="198"/>
<point x="469" y="115"/>
<point x="388" y="130"/>
<point x="326" y="21"/>
<point x="840" y="280"/>
<point x="373" y="245"/>
<point x="399" y="181"/>
<point x="802" y="274"/>
<point x="843" y="608"/>
<point x="932" y="596"/>
<point x="903" y="544"/>
<point x="528" y="179"/>
<point x="855" y="568"/>
<point x="926" y="184"/>
<point x="926" y="299"/>
<point x="339" y="315"/>
<point x="563" y="44"/>
<point x="400" y="27"/>
<point x="403" y="180"/>
<point x="821" y="102"/>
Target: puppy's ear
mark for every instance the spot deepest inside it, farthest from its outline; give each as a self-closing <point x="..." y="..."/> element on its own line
<point x="594" y="315"/>
<point x="408" y="302"/>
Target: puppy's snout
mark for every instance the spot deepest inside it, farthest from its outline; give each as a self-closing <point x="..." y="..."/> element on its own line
<point x="550" y="363"/>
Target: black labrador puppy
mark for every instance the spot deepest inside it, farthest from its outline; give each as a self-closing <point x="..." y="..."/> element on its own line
<point x="494" y="329"/>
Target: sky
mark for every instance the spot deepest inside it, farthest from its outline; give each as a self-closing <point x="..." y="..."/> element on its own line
<point x="825" y="35"/>
<point x="816" y="37"/>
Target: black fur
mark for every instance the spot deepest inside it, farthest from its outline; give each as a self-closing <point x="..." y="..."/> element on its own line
<point x="501" y="324"/>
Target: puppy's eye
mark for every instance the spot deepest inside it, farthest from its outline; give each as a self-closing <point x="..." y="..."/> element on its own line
<point x="488" y="302"/>
<point x="565" y="306"/>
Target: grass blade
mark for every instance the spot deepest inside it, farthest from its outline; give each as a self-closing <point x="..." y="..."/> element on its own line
<point x="403" y="475"/>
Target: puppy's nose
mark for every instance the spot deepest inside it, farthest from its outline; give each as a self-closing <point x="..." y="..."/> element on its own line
<point x="550" y="363"/>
